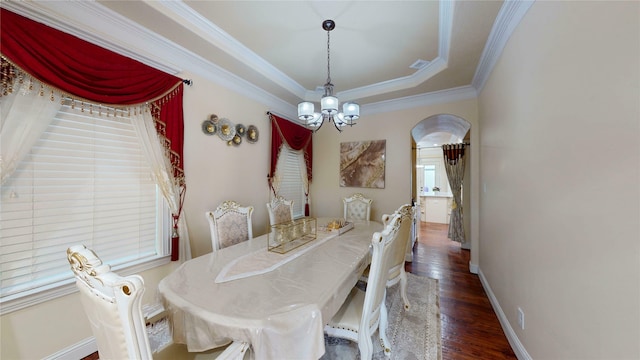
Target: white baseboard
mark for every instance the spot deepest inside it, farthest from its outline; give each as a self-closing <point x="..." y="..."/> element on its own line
<point x="473" y="268"/>
<point x="76" y="351"/>
<point x="516" y="345"/>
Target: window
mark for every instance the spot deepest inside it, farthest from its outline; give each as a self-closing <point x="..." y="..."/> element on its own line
<point x="86" y="181"/>
<point x="291" y="168"/>
<point x="429" y="177"/>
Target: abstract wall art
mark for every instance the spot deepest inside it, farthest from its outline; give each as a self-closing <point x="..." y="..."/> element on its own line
<point x="362" y="164"/>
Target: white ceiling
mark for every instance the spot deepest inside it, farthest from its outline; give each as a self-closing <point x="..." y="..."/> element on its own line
<point x="278" y="49"/>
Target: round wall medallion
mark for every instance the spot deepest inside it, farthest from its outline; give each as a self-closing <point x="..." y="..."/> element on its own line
<point x="252" y="134"/>
<point x="208" y="127"/>
<point x="226" y="129"/>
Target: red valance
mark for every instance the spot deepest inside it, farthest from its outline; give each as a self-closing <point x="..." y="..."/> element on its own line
<point x="294" y="135"/>
<point x="79" y="67"/>
<point x="87" y="71"/>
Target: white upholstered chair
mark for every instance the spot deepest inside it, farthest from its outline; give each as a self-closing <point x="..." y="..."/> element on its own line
<point x="357" y="207"/>
<point x="364" y="312"/>
<point x="397" y="271"/>
<point x="230" y="223"/>
<point x="113" y="305"/>
<point x="280" y="210"/>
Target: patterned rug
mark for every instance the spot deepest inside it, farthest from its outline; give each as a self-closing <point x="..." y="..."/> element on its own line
<point x="413" y="333"/>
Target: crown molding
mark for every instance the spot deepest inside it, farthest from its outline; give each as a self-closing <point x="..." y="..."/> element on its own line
<point x="510" y="15"/>
<point x="445" y="29"/>
<point x="196" y="23"/>
<point x="209" y="32"/>
<point x="98" y="25"/>
<point x="409" y="102"/>
<point x="420" y="76"/>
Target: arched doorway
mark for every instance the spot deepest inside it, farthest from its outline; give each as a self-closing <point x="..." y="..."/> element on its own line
<point x="428" y="168"/>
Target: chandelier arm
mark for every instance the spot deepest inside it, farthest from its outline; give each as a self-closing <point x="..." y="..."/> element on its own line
<point x="336" y="125"/>
<point x="321" y="123"/>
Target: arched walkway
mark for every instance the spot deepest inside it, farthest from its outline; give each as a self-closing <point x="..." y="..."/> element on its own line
<point x="443" y="129"/>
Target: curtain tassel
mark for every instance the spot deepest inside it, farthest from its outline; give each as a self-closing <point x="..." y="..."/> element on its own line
<point x="175" y="240"/>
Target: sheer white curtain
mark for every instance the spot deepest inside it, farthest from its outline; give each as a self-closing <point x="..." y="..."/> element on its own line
<point x="17" y="134"/>
<point x="162" y="172"/>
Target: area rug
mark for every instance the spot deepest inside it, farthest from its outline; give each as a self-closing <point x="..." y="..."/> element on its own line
<point x="413" y="333"/>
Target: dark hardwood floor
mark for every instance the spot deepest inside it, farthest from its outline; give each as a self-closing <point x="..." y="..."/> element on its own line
<point x="470" y="328"/>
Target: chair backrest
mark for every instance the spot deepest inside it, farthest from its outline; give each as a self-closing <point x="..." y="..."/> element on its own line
<point x="230" y="224"/>
<point x="357" y="207"/>
<point x="113" y="305"/>
<point x="383" y="244"/>
<point x="280" y="210"/>
<point x="404" y="238"/>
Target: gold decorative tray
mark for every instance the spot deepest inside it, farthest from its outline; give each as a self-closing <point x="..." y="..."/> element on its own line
<point x="287" y="236"/>
<point x="339" y="226"/>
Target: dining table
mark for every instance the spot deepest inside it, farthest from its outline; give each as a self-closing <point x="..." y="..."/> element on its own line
<point x="278" y="303"/>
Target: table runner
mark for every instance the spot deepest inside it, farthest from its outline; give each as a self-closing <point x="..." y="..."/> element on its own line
<point x="262" y="261"/>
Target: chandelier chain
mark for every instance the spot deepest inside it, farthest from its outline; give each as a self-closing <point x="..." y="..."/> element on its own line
<point x="328" y="58"/>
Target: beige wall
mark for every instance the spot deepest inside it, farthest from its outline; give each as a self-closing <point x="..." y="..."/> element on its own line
<point x="216" y="172"/>
<point x="559" y="219"/>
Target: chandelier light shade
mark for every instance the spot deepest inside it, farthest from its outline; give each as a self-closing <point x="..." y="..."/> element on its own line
<point x="305" y="111"/>
<point x="329" y="103"/>
<point x="351" y="111"/>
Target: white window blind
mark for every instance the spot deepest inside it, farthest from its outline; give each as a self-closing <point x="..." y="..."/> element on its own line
<point x="291" y="186"/>
<point x="86" y="181"/>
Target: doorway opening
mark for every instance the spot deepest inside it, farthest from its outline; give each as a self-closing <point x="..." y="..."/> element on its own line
<point x="431" y="190"/>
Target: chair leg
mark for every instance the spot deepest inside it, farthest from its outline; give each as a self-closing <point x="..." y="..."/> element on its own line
<point x="403" y="289"/>
<point x="365" y="344"/>
<point x="235" y="351"/>
<point x="382" y="330"/>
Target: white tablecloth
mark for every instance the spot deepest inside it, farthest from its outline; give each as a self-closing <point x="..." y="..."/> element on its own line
<point x="281" y="312"/>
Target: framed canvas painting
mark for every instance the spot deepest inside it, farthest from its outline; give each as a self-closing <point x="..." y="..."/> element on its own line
<point x="362" y="164"/>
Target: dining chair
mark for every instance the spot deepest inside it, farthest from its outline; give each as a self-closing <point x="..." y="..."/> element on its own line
<point x="113" y="305"/>
<point x="229" y="223"/>
<point x="280" y="210"/>
<point x="357" y="207"/>
<point x="397" y="272"/>
<point x="364" y="312"/>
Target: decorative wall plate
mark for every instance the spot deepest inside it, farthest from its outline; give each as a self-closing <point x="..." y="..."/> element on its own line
<point x="241" y="130"/>
<point x="237" y="140"/>
<point x="214" y="118"/>
<point x="226" y="129"/>
<point x="208" y="127"/>
<point x="252" y="134"/>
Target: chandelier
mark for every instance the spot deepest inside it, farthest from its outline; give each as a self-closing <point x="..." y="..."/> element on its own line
<point x="328" y="103"/>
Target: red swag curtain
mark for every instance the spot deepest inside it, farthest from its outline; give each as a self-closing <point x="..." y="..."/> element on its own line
<point x="93" y="73"/>
<point x="294" y="135"/>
